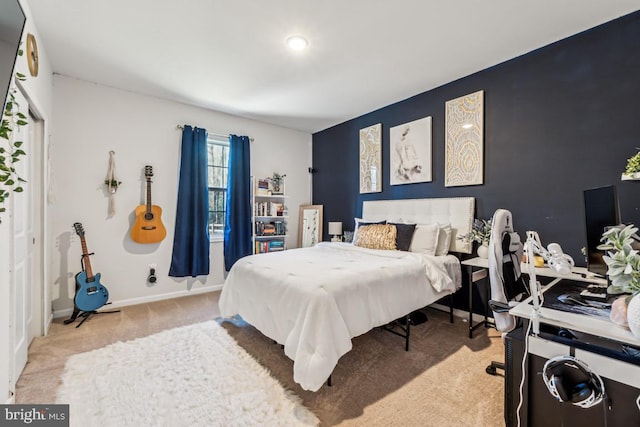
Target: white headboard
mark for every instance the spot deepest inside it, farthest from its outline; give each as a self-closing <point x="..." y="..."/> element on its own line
<point x="457" y="211"/>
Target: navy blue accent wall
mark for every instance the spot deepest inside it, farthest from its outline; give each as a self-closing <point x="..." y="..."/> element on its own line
<point x="558" y="120"/>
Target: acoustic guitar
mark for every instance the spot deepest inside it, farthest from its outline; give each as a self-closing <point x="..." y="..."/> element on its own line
<point x="90" y="293"/>
<point x="148" y="227"/>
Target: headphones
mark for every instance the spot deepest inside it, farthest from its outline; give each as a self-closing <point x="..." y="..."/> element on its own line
<point x="581" y="387"/>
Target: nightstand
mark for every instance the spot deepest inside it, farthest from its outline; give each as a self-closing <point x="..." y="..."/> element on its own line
<point x="477" y="269"/>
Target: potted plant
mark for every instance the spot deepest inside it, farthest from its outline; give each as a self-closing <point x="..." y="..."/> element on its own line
<point x="277" y="181"/>
<point x="632" y="171"/>
<point x="481" y="233"/>
<point x="623" y="270"/>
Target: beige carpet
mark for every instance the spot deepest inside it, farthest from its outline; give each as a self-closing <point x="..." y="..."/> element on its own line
<point x="440" y="382"/>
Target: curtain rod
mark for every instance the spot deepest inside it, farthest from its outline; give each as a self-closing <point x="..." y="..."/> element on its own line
<point x="214" y="134"/>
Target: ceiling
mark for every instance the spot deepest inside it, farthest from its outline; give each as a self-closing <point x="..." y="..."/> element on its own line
<point x="230" y="55"/>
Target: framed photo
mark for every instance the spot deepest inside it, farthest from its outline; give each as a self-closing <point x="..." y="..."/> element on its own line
<point x="309" y="225"/>
<point x="464" y="140"/>
<point x="371" y="159"/>
<point x="410" y="152"/>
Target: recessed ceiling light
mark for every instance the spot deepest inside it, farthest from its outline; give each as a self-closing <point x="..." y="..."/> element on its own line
<point x="297" y="42"/>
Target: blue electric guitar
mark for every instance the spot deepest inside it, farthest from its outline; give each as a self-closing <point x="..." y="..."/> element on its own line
<point x="90" y="293"/>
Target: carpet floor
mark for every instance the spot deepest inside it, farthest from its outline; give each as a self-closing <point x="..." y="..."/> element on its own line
<point x="441" y="381"/>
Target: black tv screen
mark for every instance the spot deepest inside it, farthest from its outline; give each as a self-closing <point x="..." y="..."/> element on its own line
<point x="600" y="211"/>
<point x="12" y="21"/>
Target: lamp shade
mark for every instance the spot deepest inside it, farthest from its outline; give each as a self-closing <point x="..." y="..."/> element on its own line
<point x="335" y="228"/>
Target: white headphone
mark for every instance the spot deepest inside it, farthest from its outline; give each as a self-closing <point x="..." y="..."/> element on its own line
<point x="585" y="393"/>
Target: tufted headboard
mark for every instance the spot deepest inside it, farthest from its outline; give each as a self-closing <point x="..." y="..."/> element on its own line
<point x="457" y="211"/>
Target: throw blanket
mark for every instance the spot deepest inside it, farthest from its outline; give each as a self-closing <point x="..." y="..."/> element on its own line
<point x="314" y="300"/>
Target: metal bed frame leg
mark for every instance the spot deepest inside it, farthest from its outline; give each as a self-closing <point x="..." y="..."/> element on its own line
<point x="450" y="308"/>
<point x="406" y="339"/>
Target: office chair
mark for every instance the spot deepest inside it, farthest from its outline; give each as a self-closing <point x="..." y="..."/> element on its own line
<point x="505" y="277"/>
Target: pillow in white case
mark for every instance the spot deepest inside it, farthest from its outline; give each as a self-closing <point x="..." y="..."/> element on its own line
<point x="425" y="239"/>
<point x="444" y="239"/>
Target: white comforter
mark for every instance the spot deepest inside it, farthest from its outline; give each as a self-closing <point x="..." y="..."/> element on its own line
<point x="314" y="300"/>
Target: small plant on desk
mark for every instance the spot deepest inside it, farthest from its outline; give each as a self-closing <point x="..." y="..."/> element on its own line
<point x="623" y="269"/>
<point x="480" y="232"/>
<point x="623" y="262"/>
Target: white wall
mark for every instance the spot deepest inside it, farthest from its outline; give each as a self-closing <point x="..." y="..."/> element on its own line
<point x="91" y="120"/>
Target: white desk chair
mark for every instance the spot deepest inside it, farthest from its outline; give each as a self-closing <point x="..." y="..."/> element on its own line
<point x="505" y="277"/>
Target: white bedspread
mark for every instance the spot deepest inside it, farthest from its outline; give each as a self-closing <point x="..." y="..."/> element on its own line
<point x="314" y="300"/>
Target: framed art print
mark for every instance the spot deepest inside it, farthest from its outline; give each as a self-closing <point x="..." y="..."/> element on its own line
<point x="371" y="159"/>
<point x="464" y="140"/>
<point x="410" y="152"/>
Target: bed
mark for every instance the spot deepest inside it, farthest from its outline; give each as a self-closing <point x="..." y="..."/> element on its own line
<point x="315" y="300"/>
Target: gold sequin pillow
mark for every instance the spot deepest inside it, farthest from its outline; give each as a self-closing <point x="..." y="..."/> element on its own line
<point x="376" y="236"/>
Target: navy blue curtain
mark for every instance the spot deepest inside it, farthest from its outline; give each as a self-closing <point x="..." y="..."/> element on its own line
<point x="191" y="240"/>
<point x="237" y="224"/>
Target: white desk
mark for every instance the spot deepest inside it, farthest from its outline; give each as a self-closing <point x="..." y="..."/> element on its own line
<point x="477" y="269"/>
<point x="579" y="322"/>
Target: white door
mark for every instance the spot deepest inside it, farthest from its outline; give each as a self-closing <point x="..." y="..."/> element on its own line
<point x="21" y="280"/>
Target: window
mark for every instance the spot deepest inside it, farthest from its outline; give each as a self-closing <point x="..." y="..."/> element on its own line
<point x="218" y="161"/>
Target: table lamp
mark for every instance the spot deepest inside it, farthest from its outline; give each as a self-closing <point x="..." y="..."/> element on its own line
<point x="335" y="230"/>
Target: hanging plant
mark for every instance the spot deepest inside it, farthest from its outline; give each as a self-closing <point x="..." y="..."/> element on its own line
<point x="11" y="152"/>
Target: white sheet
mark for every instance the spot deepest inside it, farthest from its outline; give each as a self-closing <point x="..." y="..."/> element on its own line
<point x="314" y="300"/>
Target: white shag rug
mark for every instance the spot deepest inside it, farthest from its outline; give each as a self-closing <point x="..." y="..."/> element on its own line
<point x="194" y="375"/>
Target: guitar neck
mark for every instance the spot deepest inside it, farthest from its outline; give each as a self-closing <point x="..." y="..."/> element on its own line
<point x="148" y="195"/>
<point x="85" y="258"/>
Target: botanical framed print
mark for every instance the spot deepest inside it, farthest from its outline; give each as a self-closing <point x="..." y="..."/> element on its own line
<point x="464" y="140"/>
<point x="371" y="159"/>
<point x="410" y="152"/>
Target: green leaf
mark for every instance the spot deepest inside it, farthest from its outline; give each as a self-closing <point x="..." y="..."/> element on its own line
<point x="22" y="122"/>
<point x="18" y="190"/>
<point x="9" y="182"/>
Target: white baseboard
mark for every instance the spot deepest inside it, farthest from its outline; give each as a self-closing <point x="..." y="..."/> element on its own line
<point x="142" y="300"/>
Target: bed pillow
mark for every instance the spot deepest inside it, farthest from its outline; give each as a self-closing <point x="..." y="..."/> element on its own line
<point x="376" y="236"/>
<point x="404" y="235"/>
<point x="425" y="239"/>
<point x="360" y="222"/>
<point x="444" y="239"/>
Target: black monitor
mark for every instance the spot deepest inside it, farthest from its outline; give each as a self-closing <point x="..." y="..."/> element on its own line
<point x="600" y="211"/>
<point x="12" y="21"/>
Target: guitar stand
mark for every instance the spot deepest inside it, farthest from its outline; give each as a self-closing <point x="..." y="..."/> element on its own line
<point x="85" y="315"/>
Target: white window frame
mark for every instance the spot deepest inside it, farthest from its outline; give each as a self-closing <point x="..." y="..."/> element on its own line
<point x="215" y="236"/>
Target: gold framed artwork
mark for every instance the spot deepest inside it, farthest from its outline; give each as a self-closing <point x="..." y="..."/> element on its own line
<point x="309" y="225"/>
<point x="464" y="140"/>
<point x="371" y="159"/>
<point x="410" y="152"/>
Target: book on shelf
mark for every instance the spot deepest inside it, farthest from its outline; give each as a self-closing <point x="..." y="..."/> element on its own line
<point x="268" y="209"/>
<point x="269" y="246"/>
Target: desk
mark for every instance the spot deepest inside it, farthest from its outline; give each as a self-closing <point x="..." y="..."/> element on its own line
<point x="597" y="342"/>
<point x="477" y="269"/>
